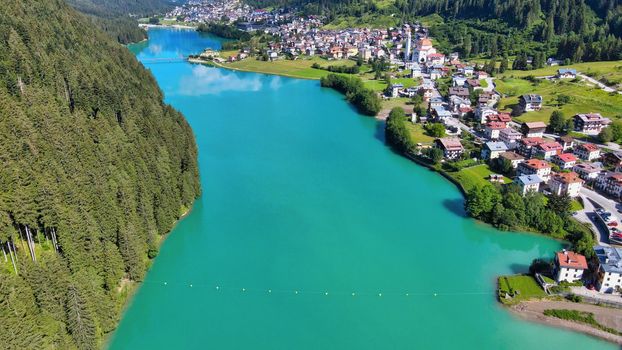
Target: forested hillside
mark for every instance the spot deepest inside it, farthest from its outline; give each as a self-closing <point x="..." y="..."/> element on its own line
<point x="569" y="29"/>
<point x="95" y="169"/>
<point x="113" y="16"/>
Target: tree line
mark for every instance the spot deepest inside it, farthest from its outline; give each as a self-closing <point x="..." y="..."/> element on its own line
<point x="365" y="100"/>
<point x="96" y="168"/>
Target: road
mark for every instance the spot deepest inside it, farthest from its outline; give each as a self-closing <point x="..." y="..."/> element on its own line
<point x="591" y="201"/>
<point x="597" y="83"/>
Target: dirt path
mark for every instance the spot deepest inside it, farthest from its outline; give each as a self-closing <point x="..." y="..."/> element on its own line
<point x="609" y="317"/>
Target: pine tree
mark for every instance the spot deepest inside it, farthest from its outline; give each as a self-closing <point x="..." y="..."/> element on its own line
<point x="80" y="323"/>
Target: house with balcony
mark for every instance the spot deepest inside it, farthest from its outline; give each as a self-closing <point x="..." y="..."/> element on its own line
<point x="590" y="124"/>
<point x="492" y="130"/>
<point x="587" y="171"/>
<point x="451" y="147"/>
<point x="528" y="183"/>
<point x="534" y="166"/>
<point x="569" y="266"/>
<point x="492" y="150"/>
<point x="609" y="272"/>
<point x="530" y="102"/>
<point x="533" y="129"/>
<point x="563" y="184"/>
<point x="610" y="182"/>
<point x="587" y="151"/>
<point x="510" y="136"/>
<point x="564" y="160"/>
<point x="526" y="145"/>
<point x="547" y="150"/>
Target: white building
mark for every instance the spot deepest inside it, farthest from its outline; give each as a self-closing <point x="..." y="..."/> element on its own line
<point x="609" y="274"/>
<point x="535" y="167"/>
<point x="569" y="266"/>
<point x="528" y="183"/>
<point x="566" y="184"/>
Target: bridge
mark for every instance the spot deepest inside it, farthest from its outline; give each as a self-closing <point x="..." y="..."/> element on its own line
<point x="164" y="59"/>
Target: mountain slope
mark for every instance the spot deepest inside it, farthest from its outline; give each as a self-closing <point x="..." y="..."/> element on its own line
<point x="113" y="16"/>
<point x="96" y="168"/>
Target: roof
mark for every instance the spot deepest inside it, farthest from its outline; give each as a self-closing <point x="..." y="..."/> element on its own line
<point x="425" y="42"/>
<point x="609" y="258"/>
<point x="593" y="117"/>
<point x="496" y="146"/>
<point x="511" y="156"/>
<point x="532" y="98"/>
<point x="535" y="125"/>
<point x="532" y="141"/>
<point x="567" y="178"/>
<point x="511" y="132"/>
<point x="567" y="70"/>
<point x="590" y="147"/>
<point x="450" y="143"/>
<point x="537" y="164"/>
<point x="617" y="177"/>
<point x="571" y="260"/>
<point x="496" y="125"/>
<point x="505" y="117"/>
<point x="587" y="167"/>
<point x="566" y="157"/>
<point x="550" y="146"/>
<point x="529" y="179"/>
<point x="566" y="139"/>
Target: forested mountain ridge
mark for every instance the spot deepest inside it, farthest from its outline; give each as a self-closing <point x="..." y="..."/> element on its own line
<point x="95" y="169"/>
<point x="113" y="16"/>
<point x="569" y="29"/>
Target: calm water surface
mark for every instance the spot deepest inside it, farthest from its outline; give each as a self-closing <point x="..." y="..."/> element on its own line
<point x="300" y="194"/>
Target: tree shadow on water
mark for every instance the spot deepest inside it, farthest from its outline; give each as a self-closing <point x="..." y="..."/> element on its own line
<point x="455" y="206"/>
<point x="519" y="268"/>
<point x="379" y="132"/>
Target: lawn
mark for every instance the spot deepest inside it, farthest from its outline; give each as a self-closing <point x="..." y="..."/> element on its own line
<point x="583" y="98"/>
<point x="474" y="176"/>
<point x="417" y="133"/>
<point x="366" y="20"/>
<point x="608" y="71"/>
<point x="521" y="287"/>
<point x="375" y="85"/>
<point x="300" y="68"/>
<point x="575" y="205"/>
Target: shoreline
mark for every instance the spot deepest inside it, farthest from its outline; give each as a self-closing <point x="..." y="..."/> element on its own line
<point x="523" y="312"/>
<point x="225" y="66"/>
<point x="175" y="26"/>
<point x="524" y="315"/>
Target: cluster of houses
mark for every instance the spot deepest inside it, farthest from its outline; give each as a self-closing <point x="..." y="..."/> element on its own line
<point x="199" y="11"/>
<point x="607" y="268"/>
<point x="559" y="165"/>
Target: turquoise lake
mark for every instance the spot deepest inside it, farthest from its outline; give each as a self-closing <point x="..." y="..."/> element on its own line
<point x="312" y="234"/>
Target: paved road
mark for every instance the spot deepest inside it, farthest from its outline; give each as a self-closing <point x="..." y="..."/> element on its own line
<point x="597" y="83"/>
<point x="591" y="201"/>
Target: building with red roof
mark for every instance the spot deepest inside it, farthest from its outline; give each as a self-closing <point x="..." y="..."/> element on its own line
<point x="569" y="266"/>
<point x="587" y="151"/>
<point x="534" y="166"/>
<point x="564" y="160"/>
<point x="563" y="184"/>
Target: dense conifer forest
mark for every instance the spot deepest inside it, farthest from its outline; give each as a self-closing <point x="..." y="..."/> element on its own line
<point x="574" y="30"/>
<point x="113" y="16"/>
<point x="95" y="169"/>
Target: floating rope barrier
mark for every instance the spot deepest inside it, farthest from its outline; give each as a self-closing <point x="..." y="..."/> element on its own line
<point x="269" y="291"/>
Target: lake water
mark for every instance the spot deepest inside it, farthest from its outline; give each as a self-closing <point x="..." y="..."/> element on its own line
<point x="312" y="234"/>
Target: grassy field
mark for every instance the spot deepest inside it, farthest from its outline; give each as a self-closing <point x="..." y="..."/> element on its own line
<point x="610" y="71"/>
<point x="300" y="68"/>
<point x="367" y="20"/>
<point x="417" y="133"/>
<point x="474" y="176"/>
<point x="523" y="288"/>
<point x="584" y="99"/>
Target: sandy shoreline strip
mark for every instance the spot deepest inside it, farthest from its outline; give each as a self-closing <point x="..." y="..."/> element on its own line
<point x="610" y="317"/>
